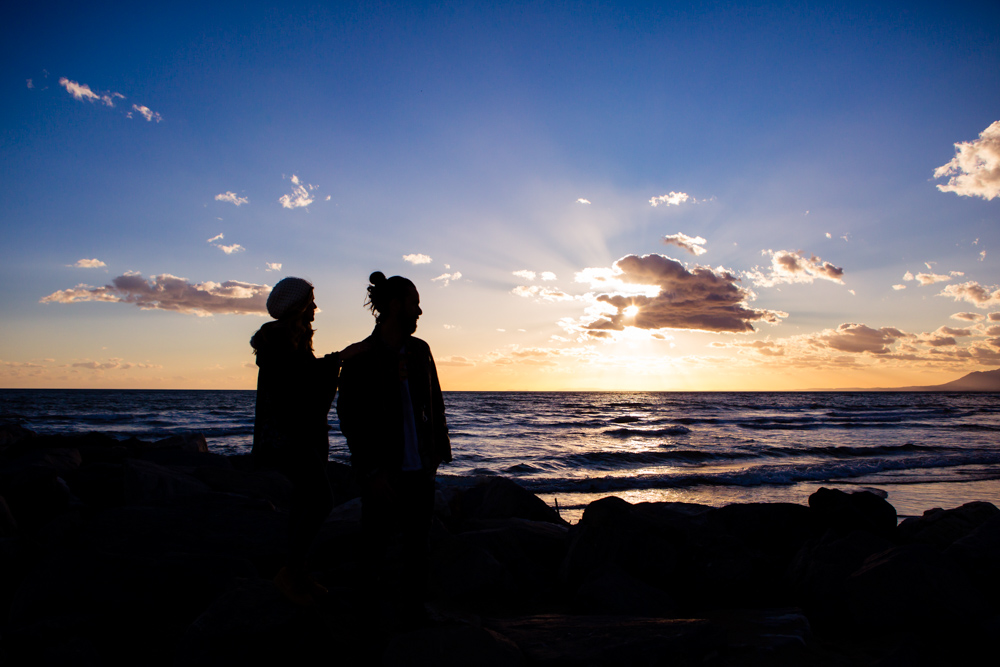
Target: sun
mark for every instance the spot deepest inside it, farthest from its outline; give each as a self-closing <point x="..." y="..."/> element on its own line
<point x="630" y="311"/>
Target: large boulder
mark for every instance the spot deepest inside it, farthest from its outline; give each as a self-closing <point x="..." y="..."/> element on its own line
<point x="978" y="553"/>
<point x="940" y="528"/>
<point x="147" y="483"/>
<point x="454" y="645"/>
<point x="846" y="512"/>
<point x="501" y="498"/>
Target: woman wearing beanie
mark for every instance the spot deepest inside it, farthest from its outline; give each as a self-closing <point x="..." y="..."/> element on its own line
<point x="294" y="393"/>
<point x="392" y="414"/>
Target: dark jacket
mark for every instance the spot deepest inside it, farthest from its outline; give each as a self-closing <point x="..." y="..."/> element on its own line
<point x="371" y="410"/>
<point x="294" y="393"/>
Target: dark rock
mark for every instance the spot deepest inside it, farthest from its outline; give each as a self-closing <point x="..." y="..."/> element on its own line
<point x="8" y="525"/>
<point x="99" y="485"/>
<point x="187" y="442"/>
<point x="501" y="498"/>
<point x="910" y="586"/>
<point x="11" y="433"/>
<point x="939" y="527"/>
<point x="611" y="590"/>
<point x="342" y="480"/>
<point x="254" y="625"/>
<point x="35" y="494"/>
<point x="148" y="483"/>
<point x="463" y="571"/>
<point x="268" y="484"/>
<point x="457" y="646"/>
<point x="845" y="512"/>
<point x="978" y="553"/>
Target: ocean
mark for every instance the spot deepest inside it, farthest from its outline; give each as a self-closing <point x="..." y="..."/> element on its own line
<point x="920" y="450"/>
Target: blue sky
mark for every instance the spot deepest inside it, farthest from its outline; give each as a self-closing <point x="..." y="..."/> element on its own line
<point x="790" y="151"/>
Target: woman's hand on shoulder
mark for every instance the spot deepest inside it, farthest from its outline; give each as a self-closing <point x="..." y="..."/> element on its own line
<point x="354" y="349"/>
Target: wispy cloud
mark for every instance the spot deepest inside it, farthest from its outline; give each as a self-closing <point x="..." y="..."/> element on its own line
<point x="300" y="197"/>
<point x="789" y="266"/>
<point x="664" y="294"/>
<point x="692" y="244"/>
<point x="931" y="278"/>
<point x="974" y="293"/>
<point x="446" y="278"/>
<point x="417" y="259"/>
<point x="542" y="293"/>
<point x="969" y="317"/>
<point x="217" y="237"/>
<point x="670" y="199"/>
<point x="581" y="200"/>
<point x="88" y="264"/>
<point x="146" y="113"/>
<point x="114" y="363"/>
<point x="167" y="292"/>
<point x="82" y="92"/>
<point x="230" y="249"/>
<point x="454" y="361"/>
<point x="232" y="198"/>
<point x="975" y="169"/>
<point x="525" y="274"/>
<point x="273" y="266"/>
<point x="899" y="287"/>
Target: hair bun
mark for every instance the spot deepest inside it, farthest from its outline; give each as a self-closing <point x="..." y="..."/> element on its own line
<point x="376" y="278"/>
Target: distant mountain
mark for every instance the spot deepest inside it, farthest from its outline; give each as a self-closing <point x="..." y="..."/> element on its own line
<point x="975" y="381"/>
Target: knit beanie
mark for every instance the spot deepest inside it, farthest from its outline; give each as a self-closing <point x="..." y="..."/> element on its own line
<point x="289" y="295"/>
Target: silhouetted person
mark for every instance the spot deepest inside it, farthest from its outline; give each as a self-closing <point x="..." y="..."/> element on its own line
<point x="290" y="434"/>
<point x="392" y="414"/>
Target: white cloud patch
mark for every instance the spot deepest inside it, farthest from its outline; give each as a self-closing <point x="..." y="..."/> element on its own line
<point x="669" y="199"/>
<point x="975" y="169"/>
<point x="82" y="92"/>
<point x="167" y="292"/>
<point x="88" y="264"/>
<point x="525" y="273"/>
<point x="232" y="198"/>
<point x="789" y="266"/>
<point x="898" y="287"/>
<point x="669" y="296"/>
<point x="146" y="113"/>
<point x="931" y="278"/>
<point x="217" y="237"/>
<point x="581" y="200"/>
<point x="273" y="266"/>
<point x="417" y="259"/>
<point x="692" y="244"/>
<point x="982" y="255"/>
<point x="446" y="278"/>
<point x="542" y="293"/>
<point x="230" y="249"/>
<point x="300" y="197"/>
<point x="547" y="275"/>
<point x="974" y="293"/>
<point x="907" y="276"/>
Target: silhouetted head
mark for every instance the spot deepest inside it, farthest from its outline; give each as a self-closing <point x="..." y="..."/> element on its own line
<point x="394" y="302"/>
<point x="291" y="303"/>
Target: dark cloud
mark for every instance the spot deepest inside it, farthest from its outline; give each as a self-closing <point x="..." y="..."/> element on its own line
<point x="167" y="292"/>
<point x="701" y="298"/>
<point x="858" y="338"/>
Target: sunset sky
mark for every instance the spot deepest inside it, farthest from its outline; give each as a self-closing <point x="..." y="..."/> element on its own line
<point x="648" y="196"/>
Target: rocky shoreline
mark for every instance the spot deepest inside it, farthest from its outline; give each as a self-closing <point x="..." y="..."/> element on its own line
<point x="161" y="553"/>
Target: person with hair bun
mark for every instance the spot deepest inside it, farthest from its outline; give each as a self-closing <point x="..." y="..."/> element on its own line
<point x="295" y="391"/>
<point x="392" y="413"/>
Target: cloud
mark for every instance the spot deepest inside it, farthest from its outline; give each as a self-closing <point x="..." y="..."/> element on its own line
<point x="232" y="198"/>
<point x="115" y="363"/>
<point x="858" y="338"/>
<point x="447" y="278"/>
<point x="417" y="259"/>
<point x="975" y="169"/>
<point x="693" y="244"/>
<point x="669" y="296"/>
<point x="982" y="255"/>
<point x="217" y="237"/>
<point x="547" y="275"/>
<point x="146" y="113"/>
<point x="581" y="200"/>
<point x="974" y="293"/>
<point x="993" y="317"/>
<point x="30" y="84"/>
<point x="525" y="273"/>
<point x="273" y="266"/>
<point x="88" y="264"/>
<point x="230" y="249"/>
<point x="829" y="235"/>
<point x="898" y="287"/>
<point x="789" y="266"/>
<point x="454" y="361"/>
<point x="300" y="197"/>
<point x="543" y="293"/>
<point x="969" y="317"/>
<point x="83" y="93"/>
<point x="907" y="276"/>
<point x="931" y="278"/>
<point x="669" y="199"/>
<point x="167" y="292"/>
